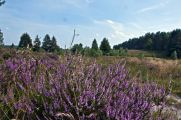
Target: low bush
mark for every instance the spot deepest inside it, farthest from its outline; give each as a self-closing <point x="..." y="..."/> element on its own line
<point x="71" y="88"/>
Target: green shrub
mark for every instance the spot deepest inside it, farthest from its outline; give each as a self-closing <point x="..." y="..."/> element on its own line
<point x="91" y="52"/>
<point x="141" y="55"/>
<point x="123" y="52"/>
<point x="114" y="53"/>
<point x="174" y="55"/>
<point x="95" y="53"/>
<point x="6" y="56"/>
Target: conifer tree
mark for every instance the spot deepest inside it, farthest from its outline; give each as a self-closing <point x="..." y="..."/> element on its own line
<point x="25" y="41"/>
<point x="36" y="44"/>
<point x="1" y="38"/>
<point x="94" y="45"/>
<point x="105" y="47"/>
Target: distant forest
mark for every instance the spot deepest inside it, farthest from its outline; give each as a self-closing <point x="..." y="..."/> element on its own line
<point x="167" y="42"/>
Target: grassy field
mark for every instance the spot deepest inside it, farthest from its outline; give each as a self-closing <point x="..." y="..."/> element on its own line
<point x="158" y="70"/>
<point x="140" y="53"/>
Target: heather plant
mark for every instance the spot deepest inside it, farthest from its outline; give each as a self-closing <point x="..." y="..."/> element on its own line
<point x="72" y="88"/>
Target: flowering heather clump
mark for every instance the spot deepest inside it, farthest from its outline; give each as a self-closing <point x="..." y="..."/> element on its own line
<point x="73" y="89"/>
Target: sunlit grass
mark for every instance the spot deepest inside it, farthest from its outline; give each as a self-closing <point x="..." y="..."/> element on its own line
<point x="158" y="70"/>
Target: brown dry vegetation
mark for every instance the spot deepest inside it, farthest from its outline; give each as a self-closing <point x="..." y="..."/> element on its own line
<point x="158" y="70"/>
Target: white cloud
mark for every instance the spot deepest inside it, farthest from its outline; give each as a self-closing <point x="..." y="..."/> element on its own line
<point x="154" y="7"/>
<point x="97" y="35"/>
<point x="110" y="21"/>
<point x="117" y="28"/>
<point x="114" y="30"/>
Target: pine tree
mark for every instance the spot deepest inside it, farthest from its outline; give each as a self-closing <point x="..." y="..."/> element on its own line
<point x="37" y="43"/>
<point x="1" y="38"/>
<point x="54" y="45"/>
<point x="50" y="45"/>
<point x="25" y="41"/>
<point x="105" y="47"/>
<point x="77" y="48"/>
<point x="46" y="43"/>
<point x="94" y="45"/>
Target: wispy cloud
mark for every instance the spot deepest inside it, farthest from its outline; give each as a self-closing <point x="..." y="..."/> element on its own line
<point x="116" y="30"/>
<point x="91" y="19"/>
<point x="153" y="7"/>
<point x="14" y="27"/>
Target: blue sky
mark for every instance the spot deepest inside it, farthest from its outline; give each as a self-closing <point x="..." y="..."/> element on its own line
<point x="118" y="20"/>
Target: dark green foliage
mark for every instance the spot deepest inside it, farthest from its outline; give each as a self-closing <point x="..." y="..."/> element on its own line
<point x="1" y="38"/>
<point x="46" y="43"/>
<point x="148" y="44"/>
<point x="12" y="45"/>
<point x="175" y="42"/>
<point x="86" y="51"/>
<point x="2" y="2"/>
<point x="6" y="55"/>
<point x="54" y="46"/>
<point x="160" y="41"/>
<point x="37" y="43"/>
<point x="25" y="41"/>
<point x="60" y="51"/>
<point x="95" y="53"/>
<point x="50" y="45"/>
<point x="105" y="47"/>
<point x="77" y="48"/>
<point x="114" y="53"/>
<point x="94" y="45"/>
<point x="119" y="52"/>
<point x="91" y="52"/>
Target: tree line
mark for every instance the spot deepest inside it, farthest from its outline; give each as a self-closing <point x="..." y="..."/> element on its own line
<point x="95" y="50"/>
<point x="167" y="42"/>
<point x="50" y="45"/>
